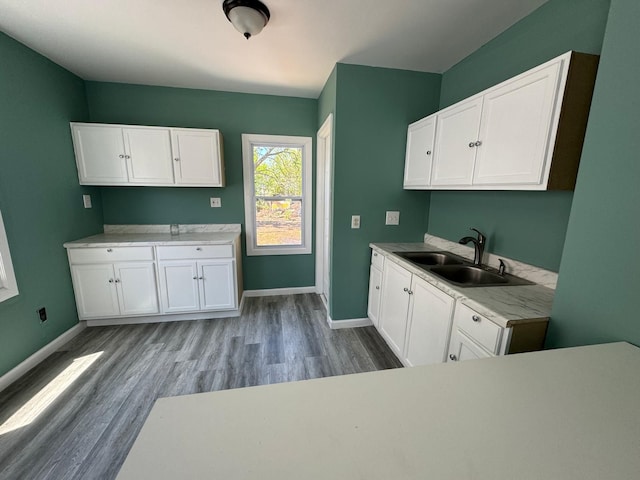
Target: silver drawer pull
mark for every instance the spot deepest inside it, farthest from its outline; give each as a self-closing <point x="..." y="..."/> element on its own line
<point x="109" y="250"/>
<point x="199" y="249"/>
<point x="453" y="357"/>
<point x="375" y="254"/>
<point x="195" y="278"/>
<point x="200" y="278"/>
<point x="475" y="318"/>
<point x="377" y="287"/>
<point x="111" y="280"/>
<point x="405" y="289"/>
<point x="410" y="292"/>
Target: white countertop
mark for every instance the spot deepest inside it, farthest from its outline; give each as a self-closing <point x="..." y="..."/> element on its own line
<point x="150" y="239"/>
<point x="504" y="306"/>
<point x="561" y="414"/>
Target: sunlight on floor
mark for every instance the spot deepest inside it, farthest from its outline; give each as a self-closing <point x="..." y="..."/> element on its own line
<point x="45" y="397"/>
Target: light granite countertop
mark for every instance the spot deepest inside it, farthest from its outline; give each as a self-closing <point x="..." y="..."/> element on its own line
<point x="504" y="306"/>
<point x="151" y="239"/>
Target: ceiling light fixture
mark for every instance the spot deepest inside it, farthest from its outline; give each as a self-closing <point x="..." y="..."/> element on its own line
<point x="247" y="16"/>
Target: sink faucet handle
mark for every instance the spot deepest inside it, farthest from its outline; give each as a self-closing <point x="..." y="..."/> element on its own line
<point x="481" y="236"/>
<point x="502" y="267"/>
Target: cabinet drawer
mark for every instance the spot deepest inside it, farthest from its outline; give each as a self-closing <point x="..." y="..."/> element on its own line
<point x="377" y="260"/>
<point x="479" y="328"/>
<point x="195" y="251"/>
<point x="109" y="254"/>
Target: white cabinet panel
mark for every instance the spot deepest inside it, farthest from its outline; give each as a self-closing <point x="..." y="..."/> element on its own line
<point x="137" y="288"/>
<point x="197" y="157"/>
<point x="217" y="285"/>
<point x="430" y="316"/>
<point x="456" y="137"/>
<point x="100" y="154"/>
<point x="481" y="329"/>
<point x="375" y="289"/>
<point x="149" y="152"/>
<point x="194" y="252"/>
<point x="179" y="283"/>
<point x="420" y="142"/>
<point x="396" y="282"/>
<point x="95" y="291"/>
<point x="463" y="348"/>
<point x="515" y="129"/>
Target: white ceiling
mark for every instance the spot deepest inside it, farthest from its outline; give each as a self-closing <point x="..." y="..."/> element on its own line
<point x="190" y="43"/>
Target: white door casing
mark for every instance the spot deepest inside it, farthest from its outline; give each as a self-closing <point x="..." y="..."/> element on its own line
<point x="324" y="207"/>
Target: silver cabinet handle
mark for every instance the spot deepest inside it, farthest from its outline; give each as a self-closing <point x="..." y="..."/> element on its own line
<point x="109" y="250"/>
<point x="472" y="144"/>
<point x="475" y="318"/>
<point x="478" y="143"/>
<point x="405" y="289"/>
<point x="176" y="159"/>
<point x="428" y="152"/>
<point x="127" y="156"/>
<point x="377" y="287"/>
<point x="117" y="280"/>
<point x="453" y="357"/>
<point x="195" y="278"/>
<point x="111" y="280"/>
<point x="199" y="249"/>
<point x="121" y="156"/>
<point x="410" y="292"/>
<point x="200" y="278"/>
<point x="375" y="254"/>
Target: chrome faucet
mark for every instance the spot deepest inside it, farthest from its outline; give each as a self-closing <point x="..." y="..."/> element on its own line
<point x="478" y="244"/>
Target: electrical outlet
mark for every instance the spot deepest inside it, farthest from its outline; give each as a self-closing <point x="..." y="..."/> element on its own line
<point x="42" y="313"/>
<point x="215" y="202"/>
<point x="392" y="218"/>
<point x="355" y="221"/>
<point x="86" y="201"/>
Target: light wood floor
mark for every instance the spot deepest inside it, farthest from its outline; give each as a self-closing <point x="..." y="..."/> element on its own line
<point x="88" y="429"/>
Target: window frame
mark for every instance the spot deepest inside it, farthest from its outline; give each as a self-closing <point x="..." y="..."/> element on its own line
<point x="306" y="144"/>
<point x="8" y="284"/>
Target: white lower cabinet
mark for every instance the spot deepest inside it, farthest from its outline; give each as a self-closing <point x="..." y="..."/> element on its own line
<point x="189" y="286"/>
<point x="111" y="290"/>
<point x="463" y="348"/>
<point x="375" y="288"/>
<point x="396" y="282"/>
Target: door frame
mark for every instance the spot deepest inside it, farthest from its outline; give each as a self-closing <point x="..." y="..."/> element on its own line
<point x="324" y="201"/>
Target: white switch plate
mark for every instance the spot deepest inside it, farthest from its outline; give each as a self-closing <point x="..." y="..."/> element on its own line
<point x="215" y="202"/>
<point x="393" y="218"/>
<point x="86" y="201"/>
<point x="355" y="221"/>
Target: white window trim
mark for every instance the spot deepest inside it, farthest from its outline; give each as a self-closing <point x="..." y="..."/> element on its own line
<point x="8" y="284"/>
<point x="248" y="140"/>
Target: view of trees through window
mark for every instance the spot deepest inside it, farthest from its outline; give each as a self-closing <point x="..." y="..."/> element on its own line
<point x="278" y="195"/>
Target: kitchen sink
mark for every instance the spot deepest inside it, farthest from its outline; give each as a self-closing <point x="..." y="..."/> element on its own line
<point x="431" y="258"/>
<point x="474" y="276"/>
<point x="459" y="271"/>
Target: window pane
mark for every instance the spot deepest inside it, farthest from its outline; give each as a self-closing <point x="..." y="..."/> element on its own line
<point x="278" y="222"/>
<point x="277" y="171"/>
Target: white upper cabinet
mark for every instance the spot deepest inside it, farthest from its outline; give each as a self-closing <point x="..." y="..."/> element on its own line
<point x="456" y="143"/>
<point x="523" y="134"/>
<point x="149" y="156"/>
<point x="100" y="154"/>
<point x="515" y="129"/>
<point x="196" y="155"/>
<point x="417" y="166"/>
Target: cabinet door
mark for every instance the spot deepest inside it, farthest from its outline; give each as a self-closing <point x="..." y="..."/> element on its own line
<point x="375" y="290"/>
<point x="149" y="156"/>
<point x="417" y="164"/>
<point x="100" y="154"/>
<point x="197" y="157"/>
<point x="515" y="130"/>
<point x="179" y="287"/>
<point x="137" y="288"/>
<point x="455" y="148"/>
<point x="95" y="290"/>
<point x="463" y="348"/>
<point x="430" y="315"/>
<point x="217" y="284"/>
<point x="396" y="282"/>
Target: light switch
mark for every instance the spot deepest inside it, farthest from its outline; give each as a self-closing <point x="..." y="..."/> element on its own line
<point x="355" y="221"/>
<point x="86" y="201"/>
<point x="215" y="202"/>
<point x="393" y="218"/>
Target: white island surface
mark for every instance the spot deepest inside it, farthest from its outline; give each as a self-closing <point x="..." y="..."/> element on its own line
<point x="561" y="414"/>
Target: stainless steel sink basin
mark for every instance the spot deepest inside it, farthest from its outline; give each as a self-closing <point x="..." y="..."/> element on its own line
<point x="473" y="276"/>
<point x="431" y="258"/>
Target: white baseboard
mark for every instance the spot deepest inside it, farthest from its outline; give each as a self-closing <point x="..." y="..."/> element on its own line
<point x="269" y="292"/>
<point x="350" y="323"/>
<point x="15" y="373"/>
<point x="178" y="317"/>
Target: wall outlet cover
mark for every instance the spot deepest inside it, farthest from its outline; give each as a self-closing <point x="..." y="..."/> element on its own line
<point x="215" y="202"/>
<point x="355" y="221"/>
<point x="392" y="218"/>
<point x="86" y="201"/>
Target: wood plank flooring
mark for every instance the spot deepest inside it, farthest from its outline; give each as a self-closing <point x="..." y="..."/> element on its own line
<point x="88" y="429"/>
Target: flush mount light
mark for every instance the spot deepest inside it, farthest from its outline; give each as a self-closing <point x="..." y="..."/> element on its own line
<point x="248" y="16"/>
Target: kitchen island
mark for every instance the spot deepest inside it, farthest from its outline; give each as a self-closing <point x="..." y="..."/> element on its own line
<point x="561" y="414"/>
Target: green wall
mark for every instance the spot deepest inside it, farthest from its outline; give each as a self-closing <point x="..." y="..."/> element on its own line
<point x="528" y="226"/>
<point x="233" y="114"/>
<point x="40" y="198"/>
<point x="598" y="285"/>
<point x="327" y="98"/>
<point x="374" y="107"/>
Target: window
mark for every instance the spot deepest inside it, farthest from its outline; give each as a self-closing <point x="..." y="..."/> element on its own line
<point x="8" y="285"/>
<point x="277" y="194"/>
